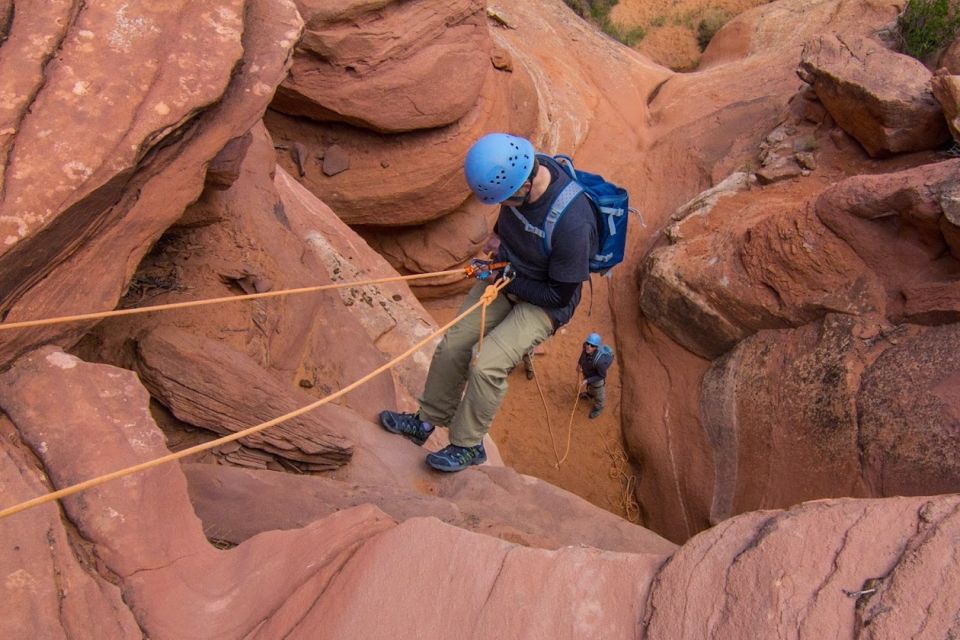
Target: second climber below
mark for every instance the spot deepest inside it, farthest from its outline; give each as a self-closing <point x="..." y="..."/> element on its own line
<point x="595" y="359"/>
<point x="541" y="297"/>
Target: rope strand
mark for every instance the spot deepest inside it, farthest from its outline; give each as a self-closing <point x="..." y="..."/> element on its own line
<point x="576" y="401"/>
<point x="198" y="303"/>
<point x="488" y="296"/>
<point x="546" y="411"/>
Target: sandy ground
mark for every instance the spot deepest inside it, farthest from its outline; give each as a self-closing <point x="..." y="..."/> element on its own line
<point x="537" y="427"/>
<point x="671" y="26"/>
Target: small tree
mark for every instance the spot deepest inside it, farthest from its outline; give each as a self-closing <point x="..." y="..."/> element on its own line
<point x="926" y="26"/>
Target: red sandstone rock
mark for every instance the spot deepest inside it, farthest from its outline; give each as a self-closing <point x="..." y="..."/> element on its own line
<point x="266" y="224"/>
<point x="236" y="504"/>
<point x="667" y="139"/>
<point x="134" y="140"/>
<point x="52" y="589"/>
<point x="860" y="558"/>
<point x="829" y="566"/>
<point x="388" y="66"/>
<point x="893" y="223"/>
<point x="946" y="89"/>
<point x="224" y="169"/>
<point x="780" y="413"/>
<point x="881" y="98"/>
<point x="755" y="261"/>
<point x="406" y="179"/>
<point x="175" y="366"/>
<point x="907" y="405"/>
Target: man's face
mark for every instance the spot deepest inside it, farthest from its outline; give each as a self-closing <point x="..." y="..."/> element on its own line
<point x="519" y="196"/>
<point x="589" y="348"/>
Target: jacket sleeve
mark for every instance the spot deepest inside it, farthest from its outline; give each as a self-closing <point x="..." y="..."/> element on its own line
<point x="548" y="293"/>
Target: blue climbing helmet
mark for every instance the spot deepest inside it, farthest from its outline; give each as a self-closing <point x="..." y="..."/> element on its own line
<point x="593" y="339"/>
<point x="497" y="165"/>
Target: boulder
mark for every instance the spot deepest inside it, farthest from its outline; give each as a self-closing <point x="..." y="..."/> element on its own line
<point x="880" y="97"/>
<point x="898" y="224"/>
<point x="407" y="178"/>
<point x="907" y="405"/>
<point x="946" y="89"/>
<point x="868" y="569"/>
<point x="780" y="415"/>
<point x="753" y="262"/>
<point x="390" y="67"/>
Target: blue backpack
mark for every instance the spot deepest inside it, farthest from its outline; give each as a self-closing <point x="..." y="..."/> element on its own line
<point x="610" y="204"/>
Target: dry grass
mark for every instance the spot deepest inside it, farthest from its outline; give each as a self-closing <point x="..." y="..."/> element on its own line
<point x="677" y="31"/>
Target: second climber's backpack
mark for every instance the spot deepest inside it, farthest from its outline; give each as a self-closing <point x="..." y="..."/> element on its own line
<point x="604" y="354"/>
<point x="610" y="204"/>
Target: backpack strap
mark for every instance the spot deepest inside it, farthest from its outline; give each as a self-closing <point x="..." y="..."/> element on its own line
<point x="604" y="354"/>
<point x="557" y="209"/>
<point x="529" y="228"/>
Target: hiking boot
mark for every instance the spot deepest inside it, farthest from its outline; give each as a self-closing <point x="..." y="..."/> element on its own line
<point x="595" y="412"/>
<point x="408" y="425"/>
<point x="454" y="458"/>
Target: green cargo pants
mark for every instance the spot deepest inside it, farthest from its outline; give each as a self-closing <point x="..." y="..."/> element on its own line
<point x="511" y="329"/>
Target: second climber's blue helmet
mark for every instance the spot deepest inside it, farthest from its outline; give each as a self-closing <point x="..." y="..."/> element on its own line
<point x="497" y="165"/>
<point x="593" y="339"/>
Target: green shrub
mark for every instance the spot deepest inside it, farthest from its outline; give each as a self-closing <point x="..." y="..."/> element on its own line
<point x="598" y="12"/>
<point x="594" y="9"/>
<point x="628" y="37"/>
<point x="711" y="22"/>
<point x="926" y="26"/>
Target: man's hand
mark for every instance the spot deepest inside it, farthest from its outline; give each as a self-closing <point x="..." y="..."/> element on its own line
<point x="492" y="246"/>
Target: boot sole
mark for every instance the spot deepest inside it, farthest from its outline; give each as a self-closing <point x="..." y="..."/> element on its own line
<point x="453" y="469"/>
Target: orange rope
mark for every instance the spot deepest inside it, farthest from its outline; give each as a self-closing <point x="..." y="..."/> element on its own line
<point x="546" y="411"/>
<point x="488" y="296"/>
<point x="576" y="401"/>
<point x="197" y="303"/>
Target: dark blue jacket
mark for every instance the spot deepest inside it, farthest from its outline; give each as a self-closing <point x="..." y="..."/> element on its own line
<point x="594" y="366"/>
